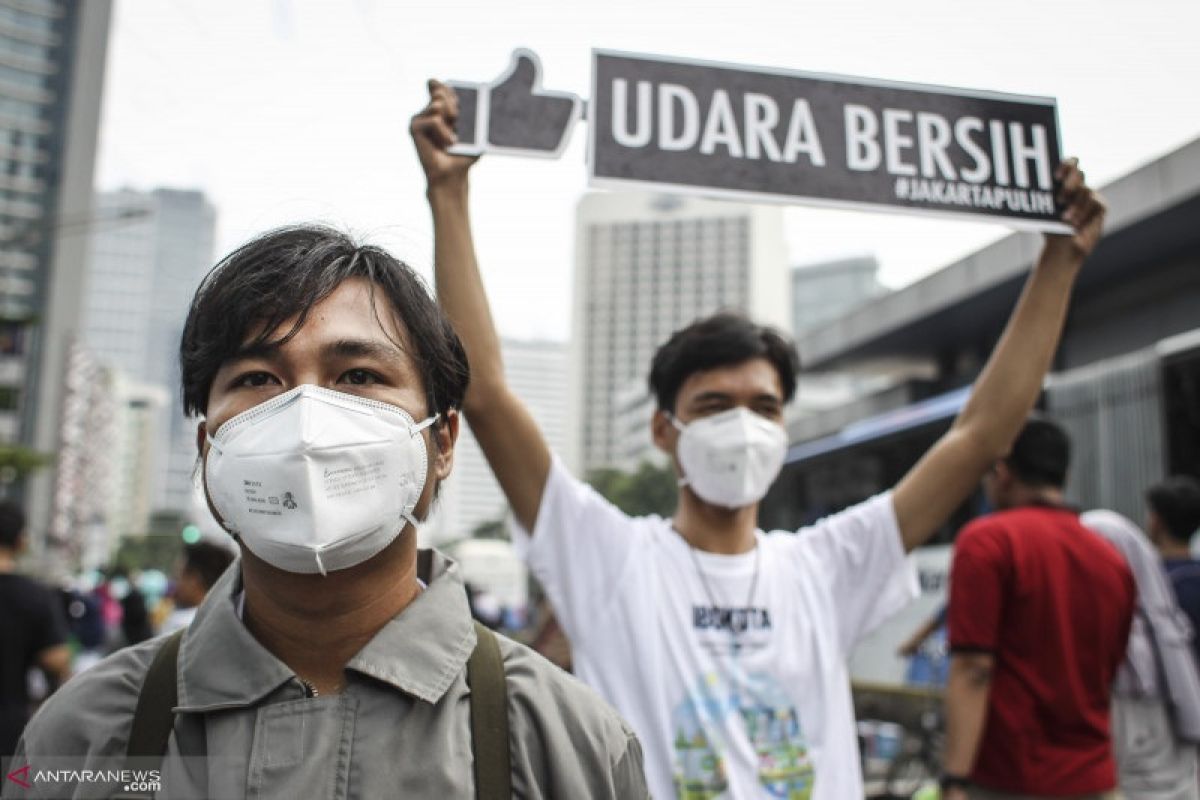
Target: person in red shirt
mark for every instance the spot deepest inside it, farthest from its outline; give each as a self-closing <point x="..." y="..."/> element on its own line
<point x="1040" y="611"/>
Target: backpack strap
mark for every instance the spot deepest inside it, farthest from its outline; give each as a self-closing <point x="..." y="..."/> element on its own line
<point x="489" y="718"/>
<point x="154" y="716"/>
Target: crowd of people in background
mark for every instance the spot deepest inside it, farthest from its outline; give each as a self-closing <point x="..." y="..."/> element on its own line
<point x="1075" y="631"/>
<point x="49" y="633"/>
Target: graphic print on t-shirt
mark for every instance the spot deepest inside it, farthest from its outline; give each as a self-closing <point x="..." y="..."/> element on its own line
<point x="739" y="711"/>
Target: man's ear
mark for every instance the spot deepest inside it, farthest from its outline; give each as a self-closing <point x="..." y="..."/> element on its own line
<point x="663" y="431"/>
<point x="1154" y="525"/>
<point x="444" y="434"/>
<point x="1004" y="475"/>
<point x="201" y="435"/>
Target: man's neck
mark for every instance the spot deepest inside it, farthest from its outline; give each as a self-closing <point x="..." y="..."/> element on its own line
<point x="1174" y="551"/>
<point x="713" y="529"/>
<point x="8" y="562"/>
<point x="1037" y="496"/>
<point x="315" y="624"/>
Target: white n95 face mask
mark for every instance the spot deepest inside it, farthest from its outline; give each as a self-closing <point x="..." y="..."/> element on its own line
<point x="316" y="480"/>
<point x="730" y="459"/>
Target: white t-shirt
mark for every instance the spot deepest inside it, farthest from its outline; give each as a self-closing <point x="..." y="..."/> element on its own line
<point x="732" y="696"/>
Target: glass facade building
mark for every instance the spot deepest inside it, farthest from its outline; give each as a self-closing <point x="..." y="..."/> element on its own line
<point x="44" y="115"/>
<point x="52" y="62"/>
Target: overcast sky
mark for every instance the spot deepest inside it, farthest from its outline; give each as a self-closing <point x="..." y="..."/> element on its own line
<point x="287" y="110"/>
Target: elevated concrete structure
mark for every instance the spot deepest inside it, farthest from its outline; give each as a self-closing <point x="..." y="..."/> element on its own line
<point x="1141" y="284"/>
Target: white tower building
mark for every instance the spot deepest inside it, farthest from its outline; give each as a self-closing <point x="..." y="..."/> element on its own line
<point x="141" y="277"/>
<point x="537" y="373"/>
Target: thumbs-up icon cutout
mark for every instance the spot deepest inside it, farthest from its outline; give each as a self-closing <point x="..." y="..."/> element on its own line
<point x="513" y="114"/>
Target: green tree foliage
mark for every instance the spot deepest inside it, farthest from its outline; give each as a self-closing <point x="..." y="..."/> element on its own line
<point x="492" y="529"/>
<point x="16" y="464"/>
<point x="157" y="548"/>
<point x="19" y="461"/>
<point x="649" y="490"/>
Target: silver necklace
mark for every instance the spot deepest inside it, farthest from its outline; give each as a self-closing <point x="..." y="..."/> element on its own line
<point x="712" y="598"/>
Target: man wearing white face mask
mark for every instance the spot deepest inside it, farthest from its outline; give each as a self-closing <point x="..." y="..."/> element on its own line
<point x="322" y="505"/>
<point x="724" y="646"/>
<point x="333" y="659"/>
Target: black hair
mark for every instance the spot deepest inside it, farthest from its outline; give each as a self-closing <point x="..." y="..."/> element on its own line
<point x="12" y="525"/>
<point x="1041" y="454"/>
<point x="206" y="561"/>
<point x="282" y="274"/>
<point x="1176" y="501"/>
<point x="721" y="340"/>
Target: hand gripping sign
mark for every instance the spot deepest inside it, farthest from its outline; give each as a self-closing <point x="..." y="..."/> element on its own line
<point x="762" y="134"/>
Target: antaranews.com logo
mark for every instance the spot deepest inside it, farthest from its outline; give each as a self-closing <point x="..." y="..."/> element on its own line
<point x="130" y="780"/>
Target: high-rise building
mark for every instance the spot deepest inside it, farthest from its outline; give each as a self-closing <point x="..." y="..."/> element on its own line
<point x="141" y="276"/>
<point x="824" y="291"/>
<point x="138" y="416"/>
<point x="536" y="373"/>
<point x="83" y="476"/>
<point x="105" y="462"/>
<point x="52" y="59"/>
<point x="632" y="409"/>
<point x="645" y="266"/>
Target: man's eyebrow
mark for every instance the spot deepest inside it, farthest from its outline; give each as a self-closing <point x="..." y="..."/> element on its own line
<point x="362" y="348"/>
<point x="707" y="397"/>
<point x="722" y="397"/>
<point x="267" y="351"/>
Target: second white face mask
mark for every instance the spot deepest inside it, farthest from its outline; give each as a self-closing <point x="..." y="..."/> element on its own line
<point x="730" y="459"/>
<point x="316" y="480"/>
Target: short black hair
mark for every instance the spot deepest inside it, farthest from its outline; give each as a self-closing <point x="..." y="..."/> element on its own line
<point x="282" y="274"/>
<point x="1176" y="501"/>
<point x="207" y="561"/>
<point x="12" y="524"/>
<point x="721" y="340"/>
<point x="1041" y="454"/>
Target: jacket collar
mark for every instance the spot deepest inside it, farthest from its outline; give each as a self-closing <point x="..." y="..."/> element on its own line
<point x="419" y="651"/>
<point x="424" y="648"/>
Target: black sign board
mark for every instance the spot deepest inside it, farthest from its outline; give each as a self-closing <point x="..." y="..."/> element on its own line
<point x="783" y="136"/>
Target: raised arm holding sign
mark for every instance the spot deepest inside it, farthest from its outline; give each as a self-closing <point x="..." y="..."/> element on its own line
<point x="725" y="647"/>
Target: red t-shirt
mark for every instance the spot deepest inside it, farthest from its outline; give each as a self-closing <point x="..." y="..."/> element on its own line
<point x="1053" y="602"/>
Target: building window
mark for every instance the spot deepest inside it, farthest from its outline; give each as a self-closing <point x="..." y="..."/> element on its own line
<point x="10" y="398"/>
<point x="12" y="338"/>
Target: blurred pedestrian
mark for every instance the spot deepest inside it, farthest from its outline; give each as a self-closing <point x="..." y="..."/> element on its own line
<point x="85" y="625"/>
<point x="724" y="646"/>
<point x="1040" y="611"/>
<point x="135" y="616"/>
<point x="548" y="637"/>
<point x="334" y="658"/>
<point x="1156" y="698"/>
<point x="33" y="632"/>
<point x="198" y="570"/>
<point x="1172" y="517"/>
